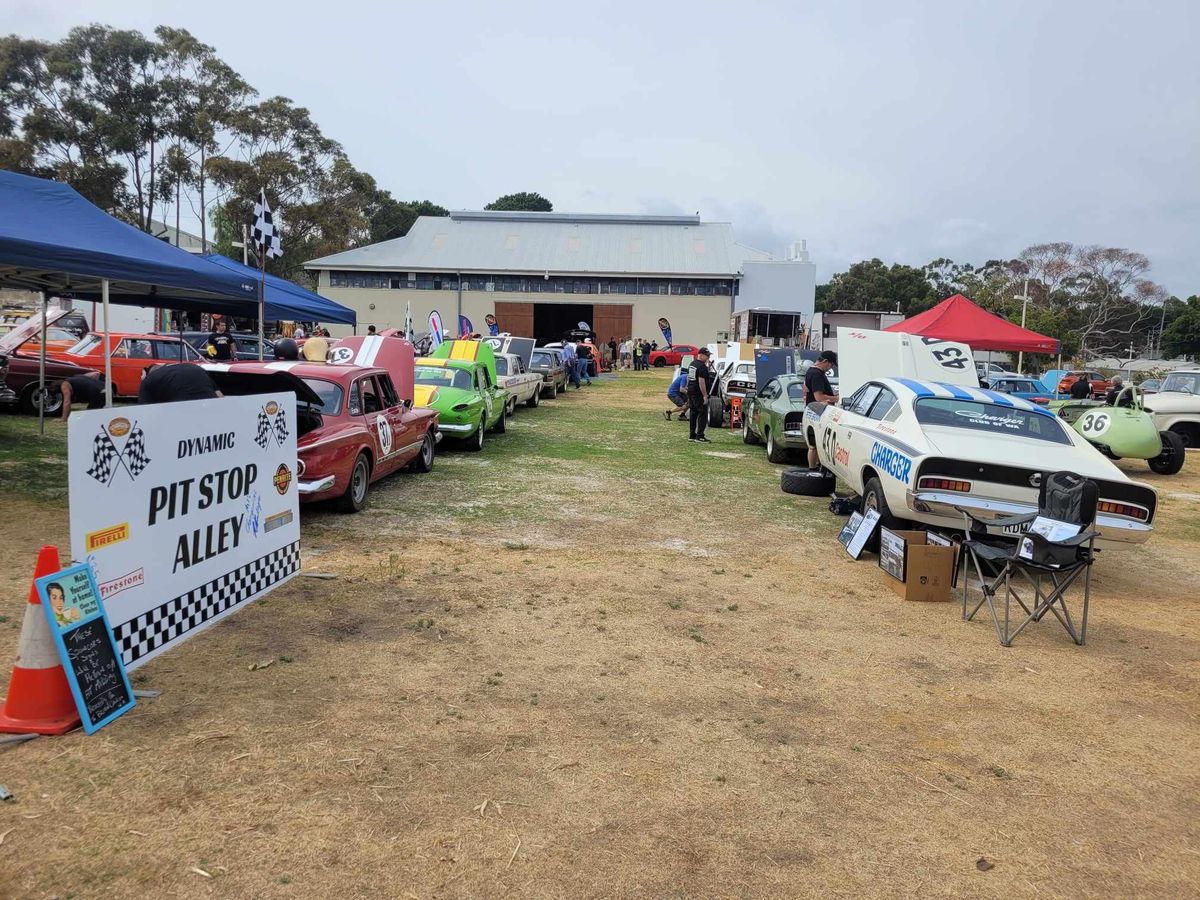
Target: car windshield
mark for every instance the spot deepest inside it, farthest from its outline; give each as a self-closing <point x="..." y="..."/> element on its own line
<point x="542" y="359"/>
<point x="436" y="376"/>
<point x="501" y="365"/>
<point x="330" y="394"/>
<point x="1181" y="382"/>
<point x="85" y="346"/>
<point x="990" y="418"/>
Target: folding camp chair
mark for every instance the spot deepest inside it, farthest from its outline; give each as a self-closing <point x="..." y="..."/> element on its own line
<point x="1042" y="560"/>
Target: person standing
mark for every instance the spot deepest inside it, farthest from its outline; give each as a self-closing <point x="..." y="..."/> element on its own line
<point x="625" y="353"/>
<point x="583" y="358"/>
<point x="612" y="350"/>
<point x="699" y="377"/>
<point x="817" y="389"/>
<point x="569" y="361"/>
<point x="1081" y="388"/>
<point x="638" y="359"/>
<point x="220" y="343"/>
<point x="675" y="393"/>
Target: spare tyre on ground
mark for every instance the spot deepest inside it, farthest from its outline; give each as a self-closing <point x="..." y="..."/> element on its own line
<point x="807" y="482"/>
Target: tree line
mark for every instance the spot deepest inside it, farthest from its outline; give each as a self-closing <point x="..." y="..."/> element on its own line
<point x="1097" y="300"/>
<point x="149" y="128"/>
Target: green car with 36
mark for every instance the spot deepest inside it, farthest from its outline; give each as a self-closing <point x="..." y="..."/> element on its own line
<point x="1124" y="431"/>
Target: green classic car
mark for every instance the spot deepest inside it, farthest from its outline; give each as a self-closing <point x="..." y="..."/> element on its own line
<point x="1124" y="431"/>
<point x="775" y="416"/>
<point x="462" y="388"/>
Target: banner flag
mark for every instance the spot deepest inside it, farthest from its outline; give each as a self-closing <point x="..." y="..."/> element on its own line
<point x="665" y="327"/>
<point x="492" y="324"/>
<point x="408" y="322"/>
<point x="465" y="328"/>
<point x="435" y="329"/>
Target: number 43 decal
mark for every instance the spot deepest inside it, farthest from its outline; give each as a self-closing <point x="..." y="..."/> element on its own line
<point x="951" y="358"/>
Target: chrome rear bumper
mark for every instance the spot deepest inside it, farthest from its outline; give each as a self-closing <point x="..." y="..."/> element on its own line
<point x="941" y="505"/>
<point x="455" y="429"/>
<point x="315" y="486"/>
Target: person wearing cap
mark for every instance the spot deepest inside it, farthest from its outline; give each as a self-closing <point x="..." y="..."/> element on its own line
<point x="699" y="379"/>
<point x="817" y="389"/>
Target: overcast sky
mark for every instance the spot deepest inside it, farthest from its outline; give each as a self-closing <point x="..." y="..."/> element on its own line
<point x="905" y="131"/>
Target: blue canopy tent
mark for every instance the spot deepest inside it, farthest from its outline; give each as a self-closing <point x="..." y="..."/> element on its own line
<point x="287" y="300"/>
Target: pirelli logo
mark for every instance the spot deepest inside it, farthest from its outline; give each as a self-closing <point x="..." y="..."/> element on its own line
<point x="106" y="537"/>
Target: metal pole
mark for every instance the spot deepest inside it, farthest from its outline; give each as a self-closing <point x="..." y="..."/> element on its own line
<point x="42" y="373"/>
<point x="262" y="290"/>
<point x="245" y="244"/>
<point x="1024" y="306"/>
<point x="107" y="346"/>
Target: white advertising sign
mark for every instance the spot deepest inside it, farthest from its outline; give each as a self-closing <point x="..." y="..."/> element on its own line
<point x="185" y="511"/>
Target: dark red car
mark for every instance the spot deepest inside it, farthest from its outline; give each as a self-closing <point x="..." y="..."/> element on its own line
<point x="672" y="355"/>
<point x="22" y="379"/>
<point x="355" y="415"/>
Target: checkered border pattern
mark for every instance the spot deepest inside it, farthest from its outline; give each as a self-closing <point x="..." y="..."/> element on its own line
<point x="166" y="623"/>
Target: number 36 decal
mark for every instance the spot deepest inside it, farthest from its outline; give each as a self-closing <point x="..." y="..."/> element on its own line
<point x="1094" y="423"/>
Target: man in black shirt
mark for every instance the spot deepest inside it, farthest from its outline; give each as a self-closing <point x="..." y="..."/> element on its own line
<point x="177" y="381"/>
<point x="817" y="389"/>
<point x="699" y="382"/>
<point x="1081" y="388"/>
<point x="87" y="388"/>
<point x="220" y="343"/>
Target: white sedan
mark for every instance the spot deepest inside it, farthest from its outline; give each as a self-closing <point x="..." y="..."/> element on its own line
<point x="916" y="450"/>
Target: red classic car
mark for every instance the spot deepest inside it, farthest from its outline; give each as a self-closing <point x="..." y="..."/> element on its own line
<point x="131" y="355"/>
<point x="355" y="417"/>
<point x="672" y="354"/>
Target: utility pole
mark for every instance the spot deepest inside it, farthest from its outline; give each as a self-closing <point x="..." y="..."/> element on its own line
<point x="244" y="244"/>
<point x="1024" y="298"/>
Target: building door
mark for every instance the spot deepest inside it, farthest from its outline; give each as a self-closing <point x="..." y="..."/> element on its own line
<point x="515" y="318"/>
<point x="614" y="320"/>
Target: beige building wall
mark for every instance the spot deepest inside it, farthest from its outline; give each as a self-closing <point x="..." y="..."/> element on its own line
<point x="694" y="320"/>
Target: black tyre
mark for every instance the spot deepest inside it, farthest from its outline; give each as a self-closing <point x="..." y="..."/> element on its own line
<point x="533" y="401"/>
<point x="1172" y="457"/>
<point x="807" y="482"/>
<point x="475" y="444"/>
<point x="554" y="390"/>
<point x="52" y="400"/>
<point x="748" y="436"/>
<point x="423" y="461"/>
<point x="716" y="412"/>
<point x="873" y="498"/>
<point x="501" y="425"/>
<point x="355" y="497"/>
<point x="1189" y="434"/>
<point x="775" y="453"/>
<point x="659" y="363"/>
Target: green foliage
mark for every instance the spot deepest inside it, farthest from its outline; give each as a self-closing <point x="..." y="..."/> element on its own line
<point x="525" y="201"/>
<point x="870" y="285"/>
<point x="1182" y="336"/>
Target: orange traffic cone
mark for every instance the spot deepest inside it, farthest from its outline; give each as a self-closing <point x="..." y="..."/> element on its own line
<point x="39" y="698"/>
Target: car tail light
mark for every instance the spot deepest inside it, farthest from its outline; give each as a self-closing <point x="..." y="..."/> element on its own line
<point x="1123" y="509"/>
<point x="300" y="468"/>
<point x="943" y="484"/>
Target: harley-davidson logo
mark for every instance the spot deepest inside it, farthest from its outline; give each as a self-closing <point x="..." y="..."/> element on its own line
<point x="118" y="427"/>
<point x="282" y="479"/>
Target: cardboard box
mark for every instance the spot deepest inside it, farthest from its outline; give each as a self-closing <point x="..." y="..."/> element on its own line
<point x="916" y="569"/>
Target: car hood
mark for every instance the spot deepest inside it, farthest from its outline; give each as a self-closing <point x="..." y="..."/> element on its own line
<point x="1174" y="401"/>
<point x="1027" y="453"/>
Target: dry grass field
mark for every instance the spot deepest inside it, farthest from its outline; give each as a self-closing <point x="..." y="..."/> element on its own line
<point x="598" y="661"/>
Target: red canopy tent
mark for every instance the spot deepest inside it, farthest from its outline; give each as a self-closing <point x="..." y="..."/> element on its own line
<point x="958" y="319"/>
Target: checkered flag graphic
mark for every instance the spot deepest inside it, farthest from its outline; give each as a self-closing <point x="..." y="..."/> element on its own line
<point x="281" y="429"/>
<point x="263" y="437"/>
<point x="104" y="454"/>
<point x="135" y="452"/>
<point x="264" y="234"/>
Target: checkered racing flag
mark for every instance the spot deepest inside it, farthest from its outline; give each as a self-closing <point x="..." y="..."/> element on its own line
<point x="263" y="437"/>
<point x="135" y="452"/>
<point x="264" y="234"/>
<point x="104" y="454"/>
<point x="281" y="429"/>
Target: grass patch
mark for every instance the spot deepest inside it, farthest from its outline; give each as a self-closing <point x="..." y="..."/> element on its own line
<point x="33" y="465"/>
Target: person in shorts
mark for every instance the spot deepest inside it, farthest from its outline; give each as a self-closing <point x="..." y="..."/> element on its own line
<point x="675" y="393"/>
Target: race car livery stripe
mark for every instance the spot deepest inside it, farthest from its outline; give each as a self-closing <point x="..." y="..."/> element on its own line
<point x="426" y="361"/>
<point x="887" y="460"/>
<point x="422" y="394"/>
<point x="370" y="348"/>
<point x="465" y="350"/>
<point x="895" y="442"/>
<point x="916" y="387"/>
<point x="998" y="398"/>
<point x="958" y="393"/>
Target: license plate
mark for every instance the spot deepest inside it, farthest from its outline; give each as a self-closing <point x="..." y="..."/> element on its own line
<point x="1019" y="528"/>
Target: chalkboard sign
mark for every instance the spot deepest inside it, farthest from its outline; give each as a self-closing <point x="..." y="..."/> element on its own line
<point x="95" y="670"/>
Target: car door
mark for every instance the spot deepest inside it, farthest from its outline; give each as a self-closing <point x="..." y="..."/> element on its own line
<point x="374" y="419"/>
<point x="758" y="417"/>
<point x="130" y="357"/>
<point x="405" y="443"/>
<point x="846" y="443"/>
<point x="492" y="399"/>
<point x="172" y="351"/>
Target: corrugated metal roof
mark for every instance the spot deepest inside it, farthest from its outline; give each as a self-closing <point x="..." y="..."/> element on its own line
<point x="558" y="243"/>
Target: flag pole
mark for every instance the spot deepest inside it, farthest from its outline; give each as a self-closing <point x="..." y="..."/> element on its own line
<point x="262" y="289"/>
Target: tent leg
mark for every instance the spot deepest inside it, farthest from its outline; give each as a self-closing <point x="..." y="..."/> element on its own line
<point x="260" y="327"/>
<point x="42" y="371"/>
<point x="107" y="346"/>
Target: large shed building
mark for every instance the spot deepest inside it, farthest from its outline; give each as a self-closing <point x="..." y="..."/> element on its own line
<point x="541" y="274"/>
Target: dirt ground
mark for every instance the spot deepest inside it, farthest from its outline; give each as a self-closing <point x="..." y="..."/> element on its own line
<point x="549" y="672"/>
